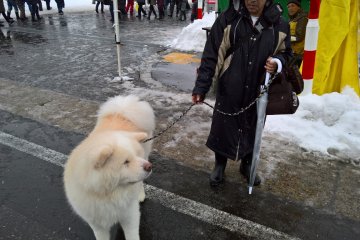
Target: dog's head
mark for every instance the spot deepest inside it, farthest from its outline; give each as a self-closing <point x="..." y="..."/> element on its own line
<point x="112" y="160"/>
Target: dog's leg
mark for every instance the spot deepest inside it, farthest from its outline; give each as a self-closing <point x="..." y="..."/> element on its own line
<point x="131" y="223"/>
<point x="142" y="193"/>
<point x="100" y="233"/>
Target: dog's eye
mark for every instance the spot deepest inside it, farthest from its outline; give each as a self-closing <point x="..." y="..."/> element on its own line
<point x="126" y="162"/>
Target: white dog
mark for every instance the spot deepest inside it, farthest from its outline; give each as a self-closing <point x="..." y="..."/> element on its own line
<point x="104" y="173"/>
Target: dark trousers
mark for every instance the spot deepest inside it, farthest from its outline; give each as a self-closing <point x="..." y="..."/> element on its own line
<point x="182" y="15"/>
<point x="34" y="11"/>
<point x="48" y="4"/>
<point x="40" y="5"/>
<point x="141" y="10"/>
<point x="152" y="10"/>
<point x="60" y="5"/>
<point x="111" y="8"/>
<point x="97" y="6"/>
<point x="161" y="11"/>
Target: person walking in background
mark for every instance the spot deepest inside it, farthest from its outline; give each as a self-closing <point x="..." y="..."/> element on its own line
<point x="21" y="6"/>
<point x="99" y="2"/>
<point x="194" y="10"/>
<point x="11" y="5"/>
<point x="236" y="56"/>
<point x="130" y="7"/>
<point x="152" y="9"/>
<point x="60" y="6"/>
<point x="298" y="21"/>
<point x="141" y="3"/>
<point x="35" y="16"/>
<point x="40" y="5"/>
<point x="2" y="11"/>
<point x="48" y="4"/>
<point x="183" y="4"/>
<point x="161" y="7"/>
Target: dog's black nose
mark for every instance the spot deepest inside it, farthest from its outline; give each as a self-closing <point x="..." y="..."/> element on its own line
<point x="147" y="166"/>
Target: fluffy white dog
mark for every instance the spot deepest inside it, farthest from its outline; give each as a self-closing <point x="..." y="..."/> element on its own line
<point x="104" y="173"/>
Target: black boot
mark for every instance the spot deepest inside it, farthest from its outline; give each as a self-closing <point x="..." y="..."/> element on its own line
<point x="217" y="175"/>
<point x="245" y="167"/>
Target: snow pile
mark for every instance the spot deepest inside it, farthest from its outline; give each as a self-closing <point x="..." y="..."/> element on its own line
<point x="329" y="123"/>
<point x="192" y="37"/>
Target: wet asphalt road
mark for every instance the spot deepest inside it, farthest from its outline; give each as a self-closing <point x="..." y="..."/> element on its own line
<point x="74" y="55"/>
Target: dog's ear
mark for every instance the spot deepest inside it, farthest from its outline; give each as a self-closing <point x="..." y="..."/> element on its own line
<point x="139" y="136"/>
<point x="102" y="155"/>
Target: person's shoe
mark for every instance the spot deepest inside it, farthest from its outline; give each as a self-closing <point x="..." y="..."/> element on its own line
<point x="245" y="167"/>
<point x="49" y="8"/>
<point x="17" y="16"/>
<point x="33" y="20"/>
<point x="97" y="11"/>
<point x="61" y="12"/>
<point x="217" y="175"/>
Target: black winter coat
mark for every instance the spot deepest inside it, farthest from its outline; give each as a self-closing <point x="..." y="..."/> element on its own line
<point x="238" y="76"/>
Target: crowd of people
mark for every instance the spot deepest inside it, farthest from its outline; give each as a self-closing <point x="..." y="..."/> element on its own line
<point x="19" y="8"/>
<point x="156" y="7"/>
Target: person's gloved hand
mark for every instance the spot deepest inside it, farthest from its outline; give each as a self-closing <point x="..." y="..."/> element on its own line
<point x="198" y="98"/>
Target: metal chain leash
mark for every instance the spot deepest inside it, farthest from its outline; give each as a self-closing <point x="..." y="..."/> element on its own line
<point x="262" y="92"/>
<point x="171" y="124"/>
<point x="242" y="110"/>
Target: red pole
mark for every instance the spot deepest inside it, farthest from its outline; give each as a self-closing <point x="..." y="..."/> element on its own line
<point x="311" y="38"/>
<point x="200" y="10"/>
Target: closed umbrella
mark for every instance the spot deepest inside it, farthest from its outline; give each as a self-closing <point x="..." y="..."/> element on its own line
<point x="261" y="112"/>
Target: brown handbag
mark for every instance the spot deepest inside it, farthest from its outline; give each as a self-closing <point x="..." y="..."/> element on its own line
<point x="282" y="97"/>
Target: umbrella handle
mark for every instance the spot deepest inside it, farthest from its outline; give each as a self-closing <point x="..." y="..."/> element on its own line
<point x="279" y="69"/>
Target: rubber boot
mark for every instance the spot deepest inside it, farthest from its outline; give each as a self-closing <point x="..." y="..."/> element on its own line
<point x="217" y="175"/>
<point x="245" y="167"/>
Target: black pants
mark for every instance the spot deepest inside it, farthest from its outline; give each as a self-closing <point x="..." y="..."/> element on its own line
<point x="34" y="11"/>
<point x="48" y="4"/>
<point x="141" y="10"/>
<point x="182" y="14"/>
<point x="60" y="5"/>
<point x="152" y="10"/>
<point x="97" y="6"/>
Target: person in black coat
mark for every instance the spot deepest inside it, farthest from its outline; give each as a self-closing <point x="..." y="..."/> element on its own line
<point x="235" y="58"/>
